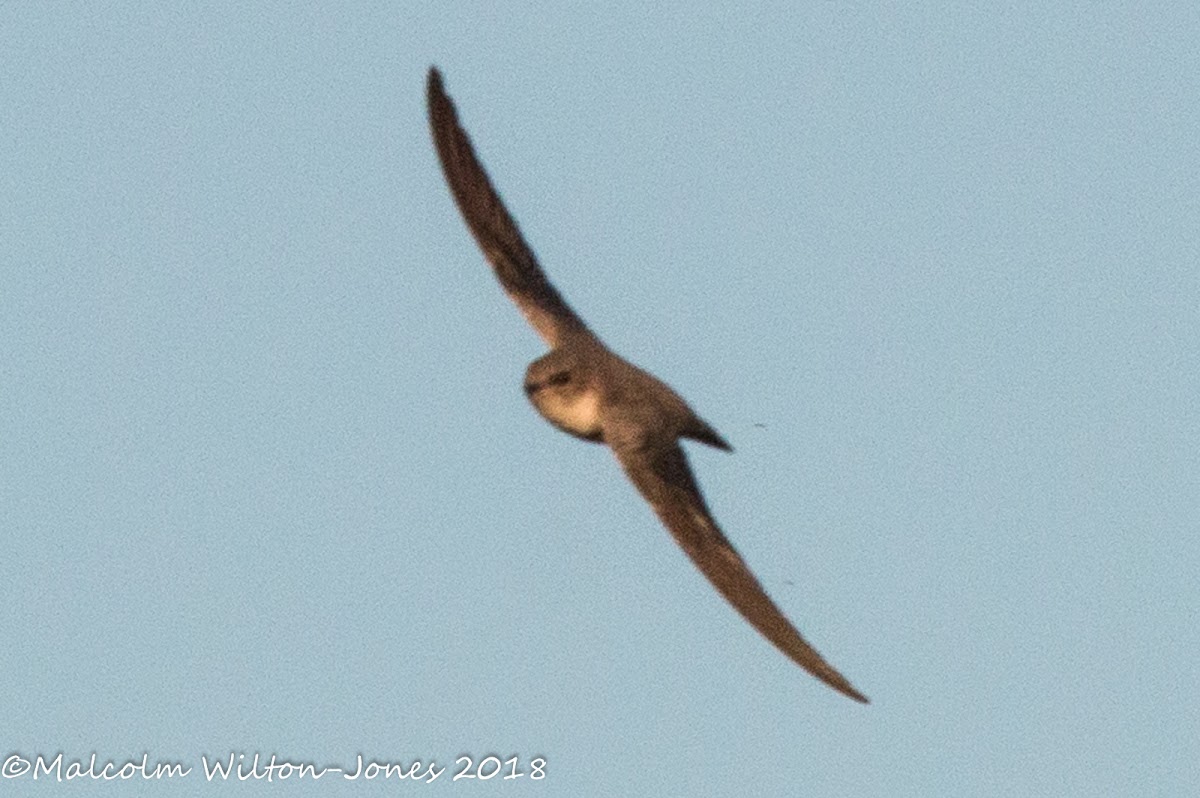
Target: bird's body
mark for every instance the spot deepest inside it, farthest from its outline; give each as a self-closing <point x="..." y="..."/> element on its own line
<point x="586" y="390"/>
<point x="582" y="388"/>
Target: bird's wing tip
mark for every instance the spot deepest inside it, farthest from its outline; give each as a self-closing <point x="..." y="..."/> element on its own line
<point x="433" y="82"/>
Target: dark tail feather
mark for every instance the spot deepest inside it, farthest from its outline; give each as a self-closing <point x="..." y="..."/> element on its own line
<point x="697" y="430"/>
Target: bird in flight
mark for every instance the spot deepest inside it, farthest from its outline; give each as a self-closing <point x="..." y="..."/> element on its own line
<point x="586" y="390"/>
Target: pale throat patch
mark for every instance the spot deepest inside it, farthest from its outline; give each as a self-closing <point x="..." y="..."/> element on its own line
<point x="580" y="413"/>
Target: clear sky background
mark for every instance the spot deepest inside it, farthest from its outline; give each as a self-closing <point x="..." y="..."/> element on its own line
<point x="268" y="482"/>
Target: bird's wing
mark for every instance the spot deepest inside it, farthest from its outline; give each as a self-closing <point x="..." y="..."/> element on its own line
<point x="660" y="471"/>
<point x="494" y="229"/>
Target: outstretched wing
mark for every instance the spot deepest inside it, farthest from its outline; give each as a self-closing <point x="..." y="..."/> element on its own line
<point x="659" y="469"/>
<point x="496" y="232"/>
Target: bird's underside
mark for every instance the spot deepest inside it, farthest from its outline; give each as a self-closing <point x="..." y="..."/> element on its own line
<point x="585" y="389"/>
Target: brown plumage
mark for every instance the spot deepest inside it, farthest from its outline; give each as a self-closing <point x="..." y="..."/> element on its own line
<point x="585" y="389"/>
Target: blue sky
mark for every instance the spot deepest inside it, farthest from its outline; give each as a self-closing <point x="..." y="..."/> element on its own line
<point x="269" y="483"/>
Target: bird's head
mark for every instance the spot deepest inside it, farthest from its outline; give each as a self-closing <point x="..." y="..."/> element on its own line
<point x="561" y="391"/>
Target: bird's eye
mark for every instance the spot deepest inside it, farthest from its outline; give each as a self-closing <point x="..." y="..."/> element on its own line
<point x="559" y="378"/>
